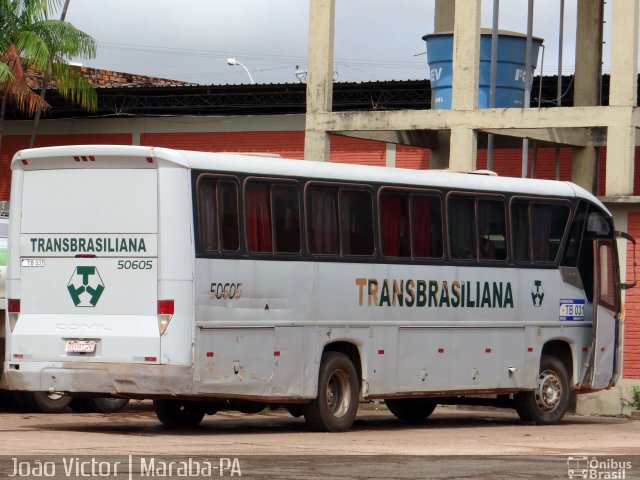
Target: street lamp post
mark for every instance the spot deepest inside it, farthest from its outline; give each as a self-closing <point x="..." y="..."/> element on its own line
<point x="233" y="61"/>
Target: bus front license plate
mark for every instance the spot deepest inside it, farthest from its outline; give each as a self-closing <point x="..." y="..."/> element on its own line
<point x="80" y="346"/>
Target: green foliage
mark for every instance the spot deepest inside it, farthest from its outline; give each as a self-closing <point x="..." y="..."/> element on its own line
<point x="44" y="45"/>
<point x="635" y="397"/>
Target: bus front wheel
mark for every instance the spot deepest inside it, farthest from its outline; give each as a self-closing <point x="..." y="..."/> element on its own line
<point x="411" y="410"/>
<point x="179" y="413"/>
<point x="335" y="407"/>
<point x="548" y="403"/>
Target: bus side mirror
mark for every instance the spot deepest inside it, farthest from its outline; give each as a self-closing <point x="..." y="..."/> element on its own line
<point x="630" y="239"/>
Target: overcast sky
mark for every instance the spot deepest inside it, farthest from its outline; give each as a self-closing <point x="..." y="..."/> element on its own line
<point x="191" y="40"/>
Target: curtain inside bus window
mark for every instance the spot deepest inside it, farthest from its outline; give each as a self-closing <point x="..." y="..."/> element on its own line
<point x="492" y="230"/>
<point x="462" y="235"/>
<point x="257" y="217"/>
<point x="394" y="224"/>
<point x="548" y="223"/>
<point x="322" y="221"/>
<point x="228" y="215"/>
<point x="286" y="218"/>
<point x="520" y="230"/>
<point x="207" y="222"/>
<point x="426" y="225"/>
<point x="356" y="218"/>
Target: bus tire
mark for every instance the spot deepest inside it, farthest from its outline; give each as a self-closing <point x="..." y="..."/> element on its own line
<point x="334" y="408"/>
<point x="548" y="403"/>
<point x="411" y="410"/>
<point x="45" y="402"/>
<point x="179" y="413"/>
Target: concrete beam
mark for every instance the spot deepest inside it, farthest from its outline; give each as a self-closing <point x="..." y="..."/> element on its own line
<point x="485" y="119"/>
<point x="319" y="77"/>
<point x="412" y="138"/>
<point x="572" y="137"/>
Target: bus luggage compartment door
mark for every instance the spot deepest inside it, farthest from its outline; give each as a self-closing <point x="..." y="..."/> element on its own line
<point x="602" y="369"/>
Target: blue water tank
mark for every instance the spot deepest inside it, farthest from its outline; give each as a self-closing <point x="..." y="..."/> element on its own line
<point x="510" y="73"/>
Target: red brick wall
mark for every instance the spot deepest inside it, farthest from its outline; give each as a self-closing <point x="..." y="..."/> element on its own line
<point x="12" y="143"/>
<point x="631" y="363"/>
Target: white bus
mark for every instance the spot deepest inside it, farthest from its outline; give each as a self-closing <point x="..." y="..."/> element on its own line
<point x="207" y="281"/>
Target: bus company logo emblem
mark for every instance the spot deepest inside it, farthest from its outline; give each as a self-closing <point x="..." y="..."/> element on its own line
<point x="537" y="293"/>
<point x="85" y="286"/>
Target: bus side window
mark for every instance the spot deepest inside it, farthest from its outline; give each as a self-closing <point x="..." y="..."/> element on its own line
<point x="548" y="223"/>
<point x="520" y="230"/>
<point x="426" y="225"/>
<point x="462" y="228"/>
<point x="356" y="219"/>
<point x="229" y="219"/>
<point x="257" y="217"/>
<point x="207" y="215"/>
<point x="492" y="230"/>
<point x="394" y="224"/>
<point x="322" y="220"/>
<point x="285" y="201"/>
<point x="217" y="215"/>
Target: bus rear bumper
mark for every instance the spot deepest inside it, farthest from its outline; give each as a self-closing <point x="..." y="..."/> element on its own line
<point x="100" y="378"/>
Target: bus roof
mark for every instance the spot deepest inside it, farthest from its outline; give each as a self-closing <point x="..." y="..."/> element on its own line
<point x="126" y="156"/>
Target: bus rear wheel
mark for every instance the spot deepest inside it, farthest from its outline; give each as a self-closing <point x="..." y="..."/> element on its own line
<point x="411" y="410"/>
<point x="335" y="407"/>
<point x="179" y="413"/>
<point x="47" y="402"/>
<point x="548" y="403"/>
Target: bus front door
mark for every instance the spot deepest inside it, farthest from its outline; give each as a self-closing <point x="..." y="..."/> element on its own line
<point x="602" y="368"/>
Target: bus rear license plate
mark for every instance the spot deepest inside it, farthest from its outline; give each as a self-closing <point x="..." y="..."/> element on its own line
<point x="80" y="346"/>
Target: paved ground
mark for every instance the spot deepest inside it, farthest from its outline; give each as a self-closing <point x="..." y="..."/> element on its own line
<point x="376" y="434"/>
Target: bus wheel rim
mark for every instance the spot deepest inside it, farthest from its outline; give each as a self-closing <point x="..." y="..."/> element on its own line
<point x="338" y="393"/>
<point x="549" y="391"/>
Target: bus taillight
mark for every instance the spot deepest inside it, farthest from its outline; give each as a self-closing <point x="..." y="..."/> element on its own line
<point x="165" y="314"/>
<point x="13" y="308"/>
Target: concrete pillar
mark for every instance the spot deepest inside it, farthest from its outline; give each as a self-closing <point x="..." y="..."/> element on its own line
<point x="586" y="82"/>
<point x="319" y="77"/>
<point x="584" y="169"/>
<point x="464" y="145"/>
<point x="622" y="93"/>
<point x="586" y="90"/>
<point x="443" y="22"/>
<point x="466" y="63"/>
<point x="444" y="16"/>
<point x="390" y="157"/>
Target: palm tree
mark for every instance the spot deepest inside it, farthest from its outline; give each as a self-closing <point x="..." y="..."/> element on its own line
<point x="70" y="81"/>
<point x="29" y="39"/>
<point x="13" y="48"/>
